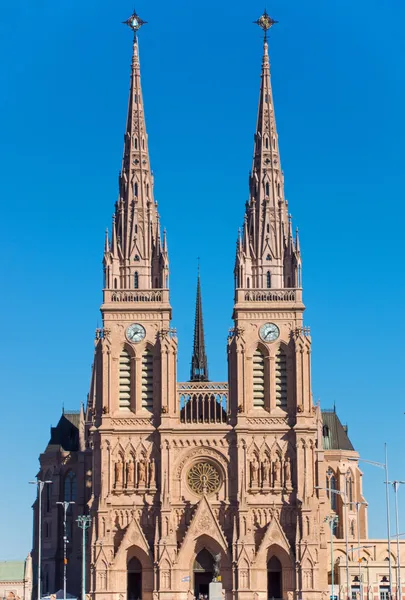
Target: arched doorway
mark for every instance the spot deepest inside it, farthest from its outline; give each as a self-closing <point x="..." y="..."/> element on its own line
<point x="274" y="579"/>
<point x="134" y="583"/>
<point x="203" y="572"/>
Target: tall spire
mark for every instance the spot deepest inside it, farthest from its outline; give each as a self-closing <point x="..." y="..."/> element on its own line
<point x="265" y="260"/>
<point x="199" y="364"/>
<point x="138" y="259"/>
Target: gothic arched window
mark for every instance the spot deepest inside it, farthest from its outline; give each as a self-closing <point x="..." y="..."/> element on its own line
<point x="70" y="487"/>
<point x="136" y="189"/>
<point x="125" y="380"/>
<point x="258" y="379"/>
<point x="147" y="380"/>
<point x="268" y="279"/>
<point x="267" y="189"/>
<point x="281" y="379"/>
<point x="349" y="488"/>
<point x="331" y="486"/>
<point x="136" y="280"/>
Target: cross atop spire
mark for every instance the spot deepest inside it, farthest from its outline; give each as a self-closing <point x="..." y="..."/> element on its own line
<point x="199" y="363"/>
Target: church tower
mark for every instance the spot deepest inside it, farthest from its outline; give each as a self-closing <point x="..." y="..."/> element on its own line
<point x="271" y="407"/>
<point x="133" y="387"/>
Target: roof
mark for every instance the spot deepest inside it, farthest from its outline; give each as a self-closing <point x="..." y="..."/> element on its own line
<point x="66" y="434"/>
<point x="12" y="570"/>
<point x="334" y="434"/>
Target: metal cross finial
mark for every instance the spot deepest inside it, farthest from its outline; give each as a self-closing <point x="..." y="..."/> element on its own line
<point x="134" y="22"/>
<point x="265" y="22"/>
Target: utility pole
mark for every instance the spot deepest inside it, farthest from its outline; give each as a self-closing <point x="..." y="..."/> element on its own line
<point x="84" y="522"/>
<point x="65" y="506"/>
<point x="332" y="521"/>
<point x="395" y="485"/>
<point x="40" y="486"/>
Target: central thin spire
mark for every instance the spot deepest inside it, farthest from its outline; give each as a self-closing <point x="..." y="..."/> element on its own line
<point x="199" y="363"/>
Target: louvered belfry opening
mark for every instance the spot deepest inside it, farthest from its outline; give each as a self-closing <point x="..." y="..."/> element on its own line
<point x="147" y="380"/>
<point x="125" y="380"/>
<point x="281" y="379"/>
<point x="258" y="379"/>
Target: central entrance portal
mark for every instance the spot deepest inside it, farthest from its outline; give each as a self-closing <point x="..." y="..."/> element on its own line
<point x="134" y="591"/>
<point x="274" y="585"/>
<point x="203" y="573"/>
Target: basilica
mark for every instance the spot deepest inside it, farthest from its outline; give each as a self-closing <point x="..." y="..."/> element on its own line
<point x="246" y="477"/>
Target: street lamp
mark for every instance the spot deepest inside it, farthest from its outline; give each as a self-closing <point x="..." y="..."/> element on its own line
<point x="395" y="484"/>
<point x="65" y="506"/>
<point x="332" y="520"/>
<point x="40" y="486"/>
<point x="84" y="522"/>
<point x="344" y="494"/>
<point x="358" y="506"/>
<point x="385" y="467"/>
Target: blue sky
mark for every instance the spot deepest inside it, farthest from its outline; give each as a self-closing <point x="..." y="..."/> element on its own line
<point x="339" y="87"/>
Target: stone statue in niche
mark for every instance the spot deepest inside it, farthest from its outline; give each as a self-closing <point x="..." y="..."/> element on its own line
<point x="152" y="473"/>
<point x="277" y="473"/>
<point x="216" y="570"/>
<point x="118" y="471"/>
<point x="142" y="473"/>
<point x="254" y="472"/>
<point x="266" y="472"/>
<point x="287" y="472"/>
<point x="130" y="474"/>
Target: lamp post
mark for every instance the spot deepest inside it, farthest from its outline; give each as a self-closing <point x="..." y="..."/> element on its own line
<point x="358" y="506"/>
<point x="65" y="506"/>
<point x="344" y="494"/>
<point x="395" y="484"/>
<point x="40" y="486"/>
<point x="332" y="520"/>
<point x="84" y="522"/>
<point x="385" y="467"/>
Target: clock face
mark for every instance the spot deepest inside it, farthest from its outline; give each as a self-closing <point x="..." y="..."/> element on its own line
<point x="269" y="332"/>
<point x="136" y="333"/>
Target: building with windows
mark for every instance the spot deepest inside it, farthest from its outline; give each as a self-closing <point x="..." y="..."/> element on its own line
<point x="16" y="579"/>
<point x="183" y="478"/>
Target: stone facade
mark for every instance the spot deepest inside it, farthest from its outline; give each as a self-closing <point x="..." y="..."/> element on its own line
<point x="176" y="474"/>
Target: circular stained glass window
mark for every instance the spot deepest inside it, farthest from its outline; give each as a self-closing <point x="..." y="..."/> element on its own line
<point x="204" y="478"/>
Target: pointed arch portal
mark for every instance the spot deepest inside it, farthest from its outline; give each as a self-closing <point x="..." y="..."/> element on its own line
<point x="203" y="572"/>
<point x="274" y="579"/>
<point x="134" y="579"/>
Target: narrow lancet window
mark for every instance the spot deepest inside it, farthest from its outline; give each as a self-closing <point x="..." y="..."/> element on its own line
<point x="281" y="379"/>
<point x="267" y="189"/>
<point x="147" y="380"/>
<point x="125" y="380"/>
<point x="136" y="280"/>
<point x="268" y="279"/>
<point x="258" y="379"/>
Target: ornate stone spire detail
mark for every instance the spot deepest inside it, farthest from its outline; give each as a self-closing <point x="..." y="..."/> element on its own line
<point x="199" y="364"/>
<point x="266" y="256"/>
<point x="136" y="257"/>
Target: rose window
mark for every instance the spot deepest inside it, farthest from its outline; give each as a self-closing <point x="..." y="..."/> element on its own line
<point x="204" y="478"/>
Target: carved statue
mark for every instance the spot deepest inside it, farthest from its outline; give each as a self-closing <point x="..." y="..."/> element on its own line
<point x="152" y="473"/>
<point x="142" y="473"/>
<point x="130" y="474"/>
<point x="118" y="467"/>
<point x="276" y="472"/>
<point x="216" y="569"/>
<point x="266" y="472"/>
<point x="254" y="472"/>
<point x="287" y="471"/>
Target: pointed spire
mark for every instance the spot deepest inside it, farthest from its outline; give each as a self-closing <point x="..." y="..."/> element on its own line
<point x="199" y="364"/>
<point x="266" y="242"/>
<point x="136" y="251"/>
